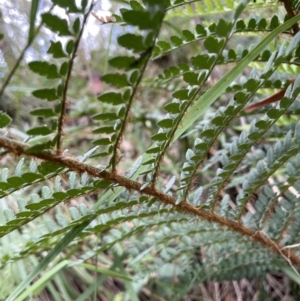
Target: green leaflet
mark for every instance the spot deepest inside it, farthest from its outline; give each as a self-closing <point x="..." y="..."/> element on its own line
<point x="44" y="69"/>
<point x="48" y="94"/>
<point x="56" y="50"/>
<point x="42" y="130"/>
<point x="5" y="120"/>
<point x="56" y="24"/>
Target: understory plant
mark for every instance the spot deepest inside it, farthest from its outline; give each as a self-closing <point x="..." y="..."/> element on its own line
<point x="183" y="169"/>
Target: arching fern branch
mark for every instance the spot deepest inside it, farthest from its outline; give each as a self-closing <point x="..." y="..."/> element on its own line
<point x="79" y="167"/>
<point x="253" y="25"/>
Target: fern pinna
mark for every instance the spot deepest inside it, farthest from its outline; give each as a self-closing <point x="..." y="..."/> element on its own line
<point x="216" y="179"/>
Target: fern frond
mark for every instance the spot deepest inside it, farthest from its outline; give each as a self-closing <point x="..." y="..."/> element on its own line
<point x="184" y="98"/>
<point x="209" y="135"/>
<point x="241" y="147"/>
<point x="215" y="197"/>
<point x="255" y="24"/>
<point x="151" y="21"/>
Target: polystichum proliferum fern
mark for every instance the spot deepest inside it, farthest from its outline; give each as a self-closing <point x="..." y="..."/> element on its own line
<point x="158" y="225"/>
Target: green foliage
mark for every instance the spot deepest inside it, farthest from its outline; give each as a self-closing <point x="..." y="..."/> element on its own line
<point x="5" y="120"/>
<point x="154" y="215"/>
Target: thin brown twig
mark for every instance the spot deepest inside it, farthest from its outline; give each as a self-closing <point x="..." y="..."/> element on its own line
<point x="268" y="100"/>
<point x="66" y="86"/>
<point x="290" y="13"/>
